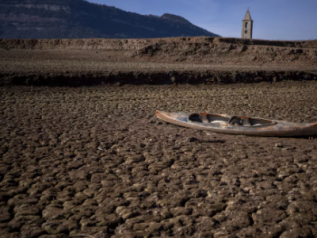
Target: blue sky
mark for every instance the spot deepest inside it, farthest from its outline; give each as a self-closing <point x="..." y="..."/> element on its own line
<point x="273" y="19"/>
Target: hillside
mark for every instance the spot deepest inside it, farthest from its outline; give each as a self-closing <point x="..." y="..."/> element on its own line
<point x="40" y="19"/>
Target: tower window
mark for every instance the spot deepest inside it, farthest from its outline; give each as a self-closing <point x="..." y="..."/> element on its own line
<point x="246" y="25"/>
<point x="246" y="32"/>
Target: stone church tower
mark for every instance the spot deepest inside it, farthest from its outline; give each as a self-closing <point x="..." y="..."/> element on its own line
<point x="247" y="26"/>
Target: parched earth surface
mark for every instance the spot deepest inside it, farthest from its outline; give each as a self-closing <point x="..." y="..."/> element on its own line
<point x="95" y="161"/>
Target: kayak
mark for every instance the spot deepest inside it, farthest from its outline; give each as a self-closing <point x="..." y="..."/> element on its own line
<point x="238" y="125"/>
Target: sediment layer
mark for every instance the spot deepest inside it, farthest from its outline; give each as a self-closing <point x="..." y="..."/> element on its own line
<point x="154" y="78"/>
<point x="135" y="44"/>
<point x="195" y="60"/>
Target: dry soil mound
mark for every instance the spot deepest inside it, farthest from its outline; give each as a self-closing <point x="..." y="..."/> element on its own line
<point x="231" y="51"/>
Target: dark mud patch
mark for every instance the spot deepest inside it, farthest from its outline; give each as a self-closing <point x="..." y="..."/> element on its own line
<point x="154" y="78"/>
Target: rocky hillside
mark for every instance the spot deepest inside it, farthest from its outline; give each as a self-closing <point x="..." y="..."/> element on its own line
<point x="40" y="19"/>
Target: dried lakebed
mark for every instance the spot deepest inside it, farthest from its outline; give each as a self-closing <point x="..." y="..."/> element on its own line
<point x="95" y="161"/>
<point x="87" y="68"/>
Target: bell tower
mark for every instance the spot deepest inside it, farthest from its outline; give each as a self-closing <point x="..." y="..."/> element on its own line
<point x="247" y="26"/>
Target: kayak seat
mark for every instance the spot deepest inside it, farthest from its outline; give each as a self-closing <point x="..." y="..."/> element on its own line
<point x="199" y="118"/>
<point x="239" y="121"/>
<point x="204" y="118"/>
<point x="208" y="118"/>
<point x="195" y="118"/>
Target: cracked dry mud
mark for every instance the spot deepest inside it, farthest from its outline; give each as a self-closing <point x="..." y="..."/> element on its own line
<point x="95" y="161"/>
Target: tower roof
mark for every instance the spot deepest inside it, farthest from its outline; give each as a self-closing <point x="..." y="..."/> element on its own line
<point x="247" y="16"/>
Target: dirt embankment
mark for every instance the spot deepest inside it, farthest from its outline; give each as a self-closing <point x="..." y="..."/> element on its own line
<point x="232" y="51"/>
<point x="79" y="44"/>
<point x="188" y="49"/>
<point x="135" y="44"/>
<point x="128" y="61"/>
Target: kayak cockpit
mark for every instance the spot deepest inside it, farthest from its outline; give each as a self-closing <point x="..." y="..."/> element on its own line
<point x="226" y="120"/>
<point x="249" y="121"/>
<point x="208" y="118"/>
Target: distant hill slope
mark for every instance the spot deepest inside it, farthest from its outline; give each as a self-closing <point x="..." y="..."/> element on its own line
<point x="80" y="19"/>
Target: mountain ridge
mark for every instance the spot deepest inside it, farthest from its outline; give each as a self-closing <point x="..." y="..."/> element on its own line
<point x="50" y="19"/>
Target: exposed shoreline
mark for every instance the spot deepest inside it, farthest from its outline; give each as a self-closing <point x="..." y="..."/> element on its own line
<point x="194" y="60"/>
